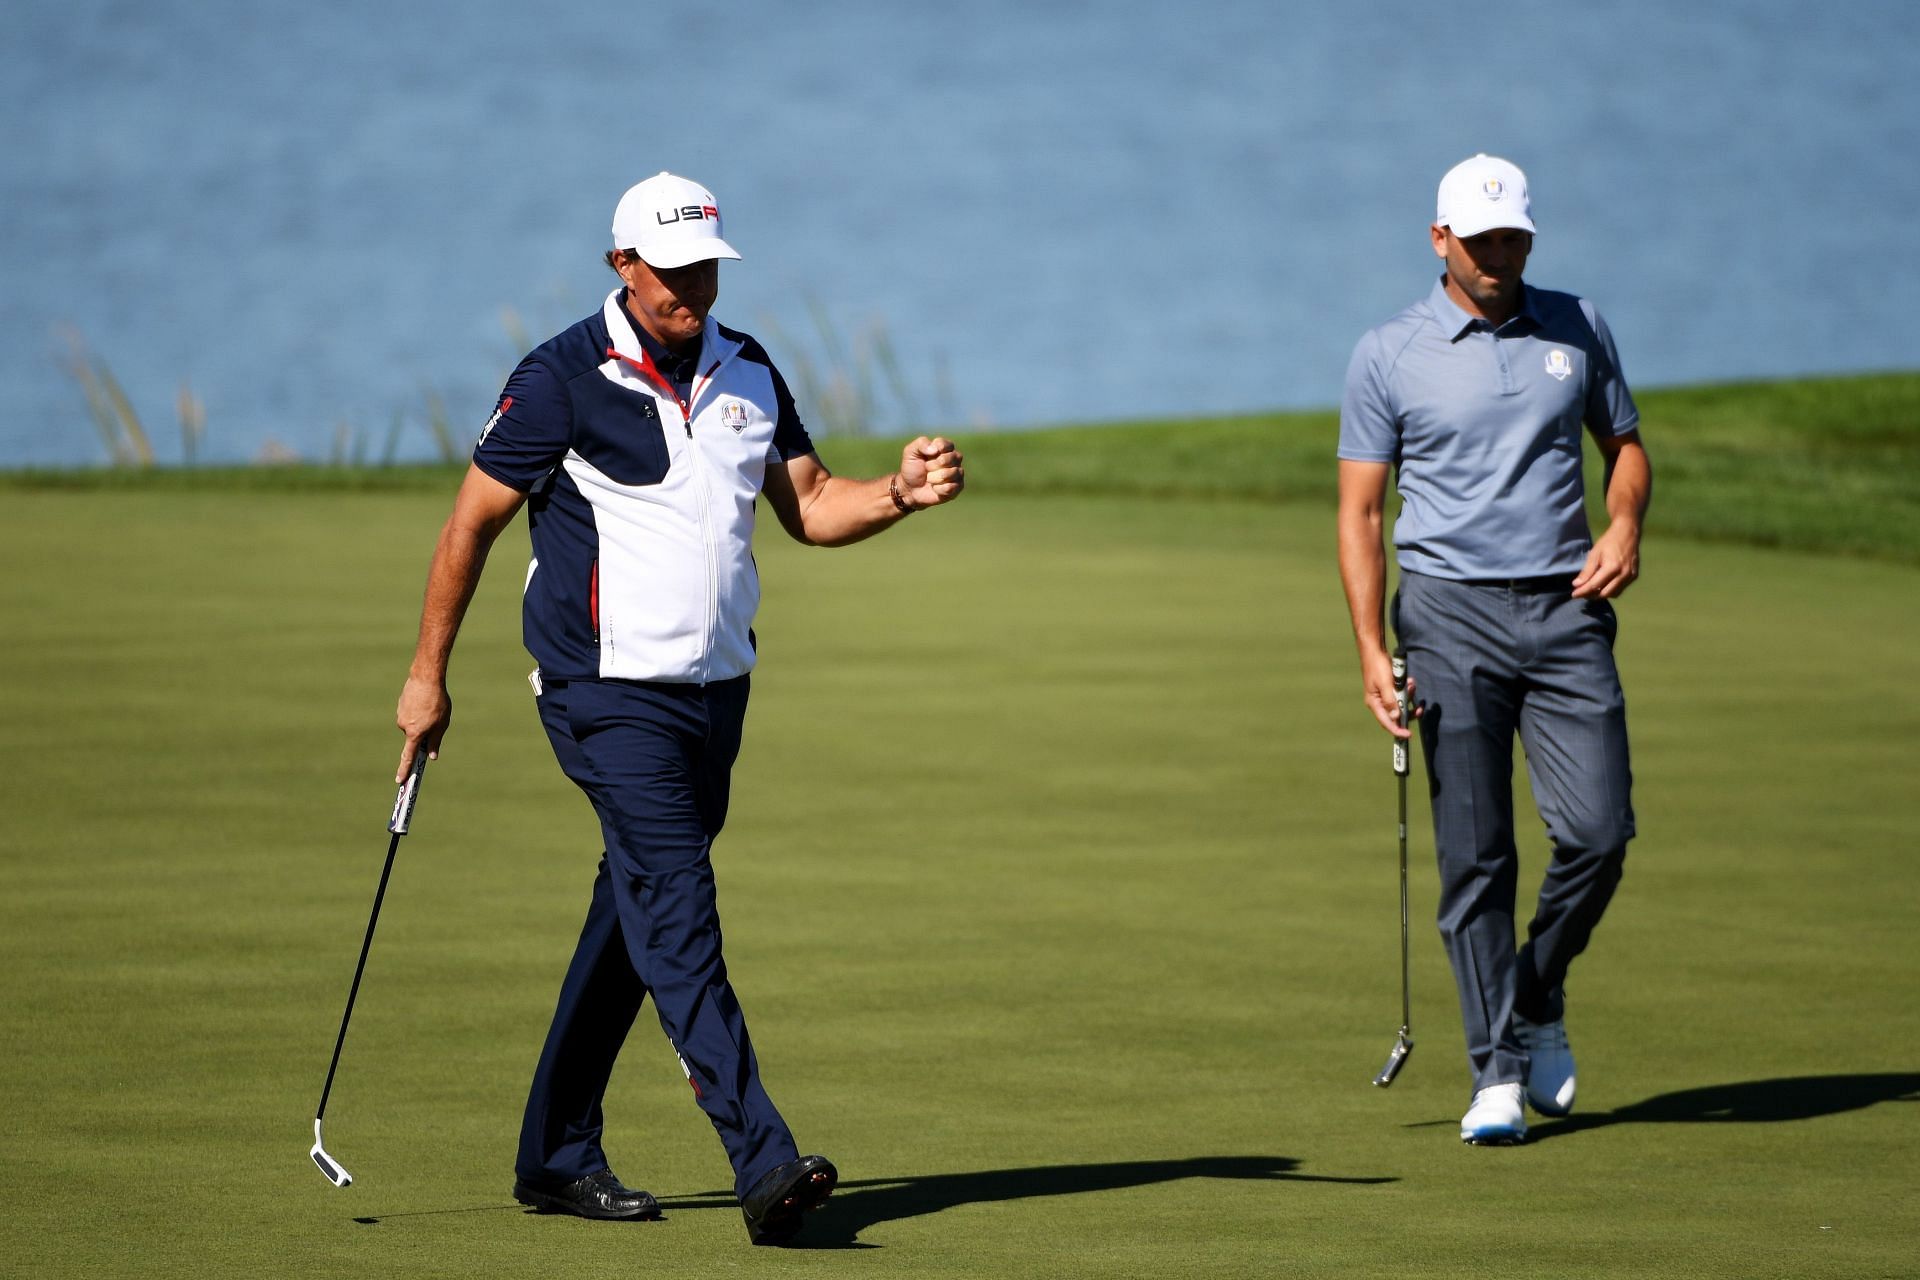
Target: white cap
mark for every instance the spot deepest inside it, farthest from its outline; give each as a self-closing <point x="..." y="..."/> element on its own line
<point x="1483" y="193"/>
<point x="669" y="222"/>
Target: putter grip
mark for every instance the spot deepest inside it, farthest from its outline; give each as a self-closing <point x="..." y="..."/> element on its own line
<point x="409" y="792"/>
<point x="1400" y="694"/>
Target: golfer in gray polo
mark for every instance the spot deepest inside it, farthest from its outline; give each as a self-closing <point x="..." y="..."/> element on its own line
<point x="1473" y="400"/>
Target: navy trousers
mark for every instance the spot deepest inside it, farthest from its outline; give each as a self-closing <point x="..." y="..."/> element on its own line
<point x="655" y="760"/>
<point x="1487" y="661"/>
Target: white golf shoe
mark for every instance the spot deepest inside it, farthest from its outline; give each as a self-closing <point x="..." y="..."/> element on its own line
<point x="1549" y="1065"/>
<point x="1496" y="1118"/>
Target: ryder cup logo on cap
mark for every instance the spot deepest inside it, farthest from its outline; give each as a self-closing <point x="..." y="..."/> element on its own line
<point x="669" y="222"/>
<point x="1483" y="193"/>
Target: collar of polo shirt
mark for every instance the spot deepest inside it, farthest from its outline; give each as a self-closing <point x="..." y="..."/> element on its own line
<point x="1454" y="320"/>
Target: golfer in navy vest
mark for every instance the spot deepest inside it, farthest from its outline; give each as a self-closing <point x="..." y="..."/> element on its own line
<point x="1473" y="400"/>
<point x="641" y="441"/>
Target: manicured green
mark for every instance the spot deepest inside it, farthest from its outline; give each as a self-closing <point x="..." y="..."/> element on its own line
<point x="1816" y="464"/>
<point x="1059" y="889"/>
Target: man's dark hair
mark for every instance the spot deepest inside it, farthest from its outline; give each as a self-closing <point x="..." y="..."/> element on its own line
<point x="616" y="257"/>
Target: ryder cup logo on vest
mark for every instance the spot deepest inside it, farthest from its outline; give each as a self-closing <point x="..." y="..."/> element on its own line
<point x="734" y="414"/>
<point x="1558" y="365"/>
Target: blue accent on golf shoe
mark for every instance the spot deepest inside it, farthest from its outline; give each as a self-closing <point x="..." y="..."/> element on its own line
<point x="1496" y="1118"/>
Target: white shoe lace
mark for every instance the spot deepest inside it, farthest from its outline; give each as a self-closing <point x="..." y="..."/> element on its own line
<point x="1495" y="1095"/>
<point x="1496" y="1109"/>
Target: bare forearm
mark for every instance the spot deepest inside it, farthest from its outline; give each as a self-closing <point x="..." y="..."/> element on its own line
<point x="843" y="511"/>
<point x="425" y="709"/>
<point x="824" y="510"/>
<point x="1363" y="575"/>
<point x="458" y="560"/>
<point x="1629" y="486"/>
<point x="1614" y="563"/>
<point x="482" y="510"/>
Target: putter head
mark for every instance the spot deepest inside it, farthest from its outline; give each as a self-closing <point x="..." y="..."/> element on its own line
<point x="336" y="1173"/>
<point x="1402" y="1048"/>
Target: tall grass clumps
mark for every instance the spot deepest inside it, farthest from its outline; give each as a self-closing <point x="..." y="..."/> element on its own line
<point x="853" y="384"/>
<point x="112" y="414"/>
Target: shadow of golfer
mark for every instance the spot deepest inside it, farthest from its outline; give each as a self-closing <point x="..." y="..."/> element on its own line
<point x="1750" y="1102"/>
<point x="862" y="1203"/>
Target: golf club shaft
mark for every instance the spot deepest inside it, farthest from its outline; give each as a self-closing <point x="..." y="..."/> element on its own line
<point x="1401" y="768"/>
<point x="1403" y="1043"/>
<point x="402" y="815"/>
<point x="1406" y="994"/>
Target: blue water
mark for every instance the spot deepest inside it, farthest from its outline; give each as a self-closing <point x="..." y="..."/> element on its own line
<point x="319" y="216"/>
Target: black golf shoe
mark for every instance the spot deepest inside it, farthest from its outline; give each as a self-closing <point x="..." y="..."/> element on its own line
<point x="598" y="1195"/>
<point x="774" y="1205"/>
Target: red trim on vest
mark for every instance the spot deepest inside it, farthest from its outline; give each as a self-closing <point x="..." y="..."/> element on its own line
<point x="651" y="373"/>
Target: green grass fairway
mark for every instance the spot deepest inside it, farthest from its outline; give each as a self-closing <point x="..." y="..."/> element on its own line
<point x="1059" y="888"/>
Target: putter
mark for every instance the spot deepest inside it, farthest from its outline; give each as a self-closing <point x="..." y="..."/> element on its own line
<point x="335" y="1172"/>
<point x="1403" y="1045"/>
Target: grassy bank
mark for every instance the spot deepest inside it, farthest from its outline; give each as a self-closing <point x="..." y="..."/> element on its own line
<point x="1814" y="465"/>
<point x="1820" y="464"/>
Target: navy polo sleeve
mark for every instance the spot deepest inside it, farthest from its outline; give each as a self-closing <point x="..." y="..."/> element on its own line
<point x="790" y="438"/>
<point x="530" y="430"/>
<point x="1610" y="410"/>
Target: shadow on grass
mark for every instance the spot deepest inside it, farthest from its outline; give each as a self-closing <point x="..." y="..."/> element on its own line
<point x="862" y="1203"/>
<point x="1750" y="1102"/>
<point x="374" y="1220"/>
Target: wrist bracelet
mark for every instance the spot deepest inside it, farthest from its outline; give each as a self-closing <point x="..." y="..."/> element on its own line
<point x="893" y="491"/>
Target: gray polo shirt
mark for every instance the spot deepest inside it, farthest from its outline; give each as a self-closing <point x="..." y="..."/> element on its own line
<point x="1483" y="427"/>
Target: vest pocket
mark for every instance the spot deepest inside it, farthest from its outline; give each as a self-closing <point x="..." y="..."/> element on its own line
<point x="618" y="431"/>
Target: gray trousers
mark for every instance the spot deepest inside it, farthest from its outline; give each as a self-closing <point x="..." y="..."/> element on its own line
<point x="1487" y="661"/>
